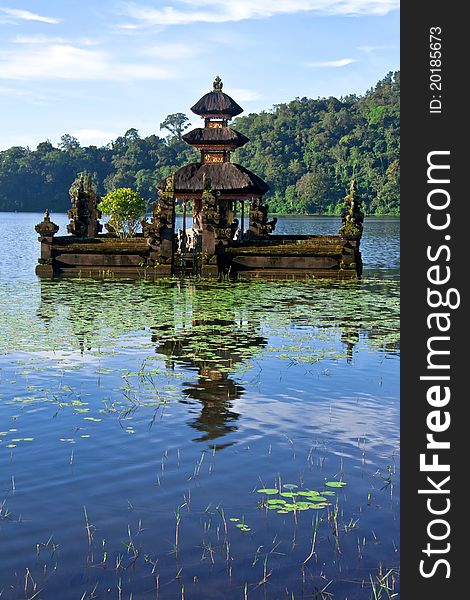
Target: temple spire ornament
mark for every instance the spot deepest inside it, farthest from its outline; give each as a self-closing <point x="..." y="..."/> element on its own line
<point x="46" y="229"/>
<point x="218" y="85"/>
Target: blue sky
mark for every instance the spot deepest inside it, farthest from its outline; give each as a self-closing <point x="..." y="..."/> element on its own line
<point x="95" y="68"/>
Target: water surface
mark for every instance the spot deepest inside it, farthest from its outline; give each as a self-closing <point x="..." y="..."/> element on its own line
<point x="138" y="420"/>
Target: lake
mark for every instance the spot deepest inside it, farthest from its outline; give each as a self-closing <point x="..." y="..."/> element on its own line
<point x="188" y="440"/>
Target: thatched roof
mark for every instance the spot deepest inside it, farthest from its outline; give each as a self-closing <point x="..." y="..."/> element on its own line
<point x="211" y="135"/>
<point x="224" y="177"/>
<point x="217" y="103"/>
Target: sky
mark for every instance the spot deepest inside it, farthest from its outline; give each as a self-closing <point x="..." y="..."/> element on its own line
<point x="96" y="68"/>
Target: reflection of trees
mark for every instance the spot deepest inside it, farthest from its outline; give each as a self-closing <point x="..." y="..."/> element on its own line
<point x="213" y="348"/>
<point x="81" y="314"/>
<point x="359" y="310"/>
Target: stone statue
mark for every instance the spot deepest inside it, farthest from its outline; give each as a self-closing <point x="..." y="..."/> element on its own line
<point x="159" y="232"/>
<point x="260" y="225"/>
<point x="84" y="215"/>
<point x="352" y="216"/>
<point x="218" y="85"/>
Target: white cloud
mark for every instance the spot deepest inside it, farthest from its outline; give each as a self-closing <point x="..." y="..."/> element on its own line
<point x="45" y="40"/>
<point x="372" y="49"/>
<point x="95" y="137"/>
<point x="173" y="51"/>
<point x="26" y="15"/>
<point x="8" y="91"/>
<point x="24" y="141"/>
<point x="35" y="97"/>
<point x="38" y="39"/>
<point x="220" y="11"/>
<point x="127" y="26"/>
<point x="342" y="62"/>
<point x="60" y="61"/>
<point x="244" y="95"/>
<point x="88" y="42"/>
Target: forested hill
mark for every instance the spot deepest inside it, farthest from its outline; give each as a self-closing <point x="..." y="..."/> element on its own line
<point x="306" y="150"/>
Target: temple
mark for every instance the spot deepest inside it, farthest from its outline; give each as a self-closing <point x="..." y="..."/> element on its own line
<point x="225" y="228"/>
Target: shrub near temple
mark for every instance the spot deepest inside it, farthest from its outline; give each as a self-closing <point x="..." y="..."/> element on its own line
<point x="125" y="208"/>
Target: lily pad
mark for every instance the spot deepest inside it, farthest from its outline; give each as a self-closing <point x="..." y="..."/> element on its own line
<point x="268" y="491"/>
<point x="336" y="484"/>
<point x="302" y="505"/>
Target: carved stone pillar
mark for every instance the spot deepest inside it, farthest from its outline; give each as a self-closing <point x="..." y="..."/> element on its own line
<point x="46" y="230"/>
<point x="160" y="231"/>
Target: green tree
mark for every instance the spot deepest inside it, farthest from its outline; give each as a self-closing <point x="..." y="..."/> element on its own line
<point x="68" y="142"/>
<point x="313" y="190"/>
<point x="176" y="124"/>
<point x="125" y="208"/>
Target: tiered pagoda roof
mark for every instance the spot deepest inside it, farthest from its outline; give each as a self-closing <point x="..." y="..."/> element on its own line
<point x="225" y="177"/>
<point x="217" y="104"/>
<point x="211" y="136"/>
<point x="216" y="140"/>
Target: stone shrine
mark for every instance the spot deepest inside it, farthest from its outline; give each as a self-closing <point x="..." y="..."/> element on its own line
<point x="226" y="229"/>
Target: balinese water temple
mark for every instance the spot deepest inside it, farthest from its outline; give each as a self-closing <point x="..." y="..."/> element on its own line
<point x="226" y="230"/>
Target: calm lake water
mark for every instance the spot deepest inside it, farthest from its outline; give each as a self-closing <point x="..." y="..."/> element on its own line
<point x="139" y="420"/>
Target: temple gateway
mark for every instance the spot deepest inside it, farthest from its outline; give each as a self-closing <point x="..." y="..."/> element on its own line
<point x="225" y="228"/>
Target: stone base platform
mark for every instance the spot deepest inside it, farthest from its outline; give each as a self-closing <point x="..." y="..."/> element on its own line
<point x="277" y="257"/>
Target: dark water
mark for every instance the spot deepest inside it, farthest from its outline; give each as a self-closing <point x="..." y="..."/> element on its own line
<point x="156" y="408"/>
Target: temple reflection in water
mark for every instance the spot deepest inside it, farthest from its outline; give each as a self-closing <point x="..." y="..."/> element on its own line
<point x="213" y="349"/>
<point x="178" y="320"/>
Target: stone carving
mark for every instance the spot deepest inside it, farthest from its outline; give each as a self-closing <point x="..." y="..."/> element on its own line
<point x="352" y="216"/>
<point x="46" y="229"/>
<point x="159" y="232"/>
<point x="260" y="225"/>
<point x="84" y="215"/>
<point x="210" y="209"/>
<point x="218" y="85"/>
